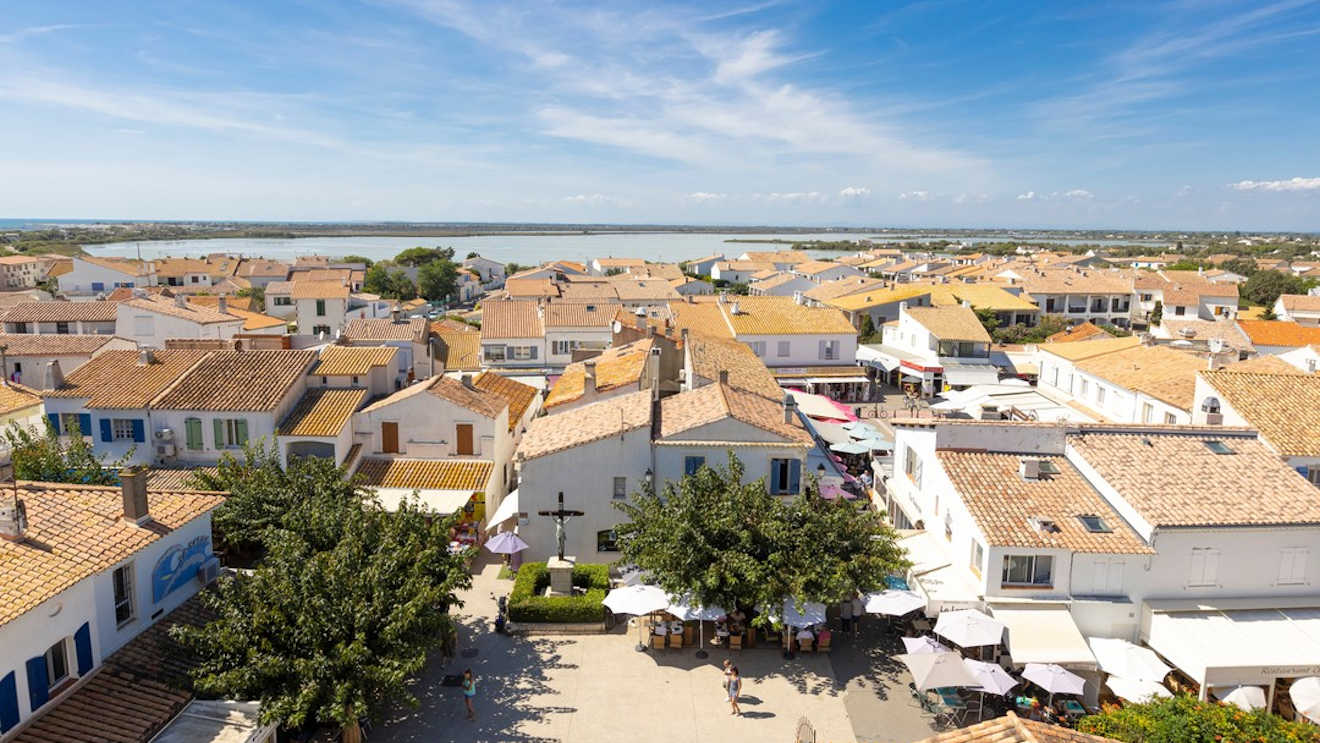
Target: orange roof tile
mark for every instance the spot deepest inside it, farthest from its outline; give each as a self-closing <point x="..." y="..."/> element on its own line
<point x="323" y="411"/>
<point x="586" y="424"/>
<point x="119" y="379"/>
<point x="615" y="367"/>
<point x="426" y="474"/>
<point x="715" y="402"/>
<point x="352" y="360"/>
<point x="237" y="380"/>
<point x="1272" y="333"/>
<point x="519" y="396"/>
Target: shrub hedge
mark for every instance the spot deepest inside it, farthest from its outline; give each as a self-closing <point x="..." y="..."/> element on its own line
<point x="527" y="604"/>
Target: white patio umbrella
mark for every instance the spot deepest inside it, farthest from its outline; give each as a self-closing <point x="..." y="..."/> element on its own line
<point x="1122" y="658"/>
<point x="1054" y="678"/>
<point x="636" y="600"/>
<point x="969" y="628"/>
<point x="505" y="543"/>
<point x="924" y="644"/>
<point x="895" y="603"/>
<point x="937" y="670"/>
<point x="683" y="608"/>
<point x="1245" y="697"/>
<point x="802" y="615"/>
<point x="992" y="679"/>
<point x="1305" y="695"/>
<point x="1136" y="690"/>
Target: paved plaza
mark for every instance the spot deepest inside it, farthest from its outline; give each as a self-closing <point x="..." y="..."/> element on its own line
<point x="597" y="688"/>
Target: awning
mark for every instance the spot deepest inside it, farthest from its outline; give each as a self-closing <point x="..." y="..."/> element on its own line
<point x="1047" y="634"/>
<point x="1239" y="646"/>
<point x="440" y="501"/>
<point x="507" y="510"/>
<point x="819" y="406"/>
<point x="967" y="375"/>
<point x="934" y="575"/>
<point x="837" y="380"/>
<point x="832" y="432"/>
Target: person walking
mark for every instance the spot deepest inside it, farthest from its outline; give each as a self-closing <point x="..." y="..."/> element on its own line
<point x="728" y="672"/>
<point x="735" y="688"/>
<point x="846" y="614"/>
<point x="469" y="691"/>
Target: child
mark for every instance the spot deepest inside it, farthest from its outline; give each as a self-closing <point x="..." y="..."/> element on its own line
<point x="735" y="688"/>
<point x="469" y="691"/>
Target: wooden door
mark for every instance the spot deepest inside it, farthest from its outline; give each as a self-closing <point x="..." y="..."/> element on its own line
<point x="465" y="438"/>
<point x="389" y="437"/>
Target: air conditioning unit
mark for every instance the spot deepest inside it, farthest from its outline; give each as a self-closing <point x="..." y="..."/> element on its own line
<point x="165" y="450"/>
<point x="208" y="571"/>
<point x="165" y="434"/>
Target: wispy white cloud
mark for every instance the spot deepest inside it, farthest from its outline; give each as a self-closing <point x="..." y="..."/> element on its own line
<point x="854" y="192"/>
<point x="915" y="196"/>
<point x="1079" y="193"/>
<point x="1027" y="196"/>
<point x="793" y="196"/>
<point x="705" y="196"/>
<point x="23" y="33"/>
<point x="1291" y="184"/>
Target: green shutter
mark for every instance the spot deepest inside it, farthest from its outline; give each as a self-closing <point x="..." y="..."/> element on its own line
<point x="193" y="430"/>
<point x="240" y="431"/>
<point x="219" y="432"/>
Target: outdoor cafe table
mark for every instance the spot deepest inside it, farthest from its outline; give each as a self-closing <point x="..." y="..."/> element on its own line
<point x="1072" y="708"/>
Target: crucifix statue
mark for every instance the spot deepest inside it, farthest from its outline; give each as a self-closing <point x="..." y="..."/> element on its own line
<point x="561" y="516"/>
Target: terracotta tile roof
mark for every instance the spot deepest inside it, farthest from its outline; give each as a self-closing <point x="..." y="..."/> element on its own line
<point x="778" y="256"/>
<point x="591" y="422"/>
<point x="458" y="351"/>
<point x="638" y="290"/>
<point x="580" y="314"/>
<point x="1002" y="503"/>
<point x="665" y="271"/>
<point x="75" y="531"/>
<point x="57" y="311"/>
<point x="426" y="474"/>
<point x="279" y="287"/>
<point x="519" y="396"/>
<point x="843" y="287"/>
<point x="956" y="323"/>
<point x="1090" y="349"/>
<point x="322" y="411"/>
<point x="413" y="329"/>
<point x="1206" y="330"/>
<point x="715" y="402"/>
<point x="256" y="320"/>
<point x="876" y="296"/>
<point x="523" y="288"/>
<point x="1274" y="333"/>
<point x="263" y="268"/>
<point x="783" y="316"/>
<point x="712" y="355"/>
<point x="511" y="319"/>
<point x="19" y="260"/>
<point x="127" y="266"/>
<point x="47" y="344"/>
<point x="15" y="397"/>
<point x="352" y="360"/>
<point x="339" y="275"/>
<point x="1013" y="729"/>
<point x="704" y="318"/>
<point x="768" y="273"/>
<point x="311" y="289"/>
<point x="619" y="262"/>
<point x="813" y="267"/>
<point x="1300" y="302"/>
<point x="745" y="266"/>
<point x="981" y="296"/>
<point x="1283" y="405"/>
<point x="578" y="291"/>
<point x="176" y="478"/>
<point x="119" y="379"/>
<point x="1266" y="364"/>
<point x="234" y="303"/>
<point x="237" y="380"/>
<point x="615" y="367"/>
<point x="479" y="401"/>
<point x="1162" y="373"/>
<point x="778" y="278"/>
<point x="1164" y="472"/>
<point x="1079" y="332"/>
<point x="180" y="266"/>
<point x="1071" y="281"/>
<point x="199" y="314"/>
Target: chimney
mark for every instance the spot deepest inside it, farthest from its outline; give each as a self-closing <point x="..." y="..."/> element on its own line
<point x="790" y="409"/>
<point x="653" y="370"/>
<point x="133" y="487"/>
<point x="181" y="301"/>
<point x="466" y="379"/>
<point x="222" y="305"/>
<point x="146" y="356"/>
<point x="735" y="309"/>
<point x="54" y="375"/>
<point x="902" y="307"/>
<point x="13" y="517"/>
<point x="589" y="374"/>
<point x="724" y="376"/>
<point x="394" y="314"/>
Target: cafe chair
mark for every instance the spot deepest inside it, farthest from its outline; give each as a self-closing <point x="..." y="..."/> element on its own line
<point x="657" y="642"/>
<point x="676" y="642"/>
<point x="735" y="642"/>
<point x="806" y="646"/>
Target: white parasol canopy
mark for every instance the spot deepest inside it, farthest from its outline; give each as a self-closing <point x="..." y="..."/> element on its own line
<point x="801" y="615"/>
<point x="894" y="602"/>
<point x="969" y="628"/>
<point x="1305" y="695"/>
<point x="1136" y="690"/>
<point x="1122" y="658"/>
<point x="924" y="644"/>
<point x="683" y="608"/>
<point x="1245" y="697"/>
<point x="937" y="670"/>
<point x="636" y="600"/>
<point x="505" y="543"/>
<point x="1054" y="678"/>
<point x="991" y="677"/>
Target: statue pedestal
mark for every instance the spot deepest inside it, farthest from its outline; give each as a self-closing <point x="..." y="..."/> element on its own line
<point x="561" y="575"/>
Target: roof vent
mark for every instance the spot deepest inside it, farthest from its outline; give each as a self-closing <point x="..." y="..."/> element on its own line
<point x="13" y="517"/>
<point x="54" y="375"/>
<point x="735" y="309"/>
<point x="1187" y="332"/>
<point x="146" y="356"/>
<point x="1043" y="525"/>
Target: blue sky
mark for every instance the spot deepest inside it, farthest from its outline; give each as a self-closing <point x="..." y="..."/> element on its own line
<point x="1194" y="114"/>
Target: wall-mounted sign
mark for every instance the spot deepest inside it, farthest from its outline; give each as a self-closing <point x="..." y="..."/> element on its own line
<point x="178" y="566"/>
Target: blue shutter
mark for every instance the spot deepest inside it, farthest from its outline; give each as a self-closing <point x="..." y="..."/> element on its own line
<point x="82" y="643"/>
<point x="38" y="684"/>
<point x="107" y="431"/>
<point x="775" y="485"/>
<point x="98" y="286"/>
<point x="794" y="475"/>
<point x="533" y="351"/>
<point x="85" y="424"/>
<point x="54" y="422"/>
<point x="8" y="702"/>
<point x="139" y="430"/>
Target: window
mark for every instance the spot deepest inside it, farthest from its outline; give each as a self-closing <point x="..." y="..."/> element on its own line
<point x="122" y="428"/>
<point x="20" y="327"/>
<point x="560" y="348"/>
<point x="123" y="582"/>
<point x="1313" y="474"/>
<point x="98" y="286"/>
<point x="1292" y="565"/>
<point x="948" y="526"/>
<point x="1028" y="570"/>
<point x="1146" y="297"/>
<point x="620" y="487"/>
<point x="1099" y="395"/>
<point x="320" y="308"/>
<point x="1106" y="578"/>
<point x="283" y="301"/>
<point x="1204" y="571"/>
<point x="978" y="557"/>
<point x="783" y="349"/>
<point x="1084" y="387"/>
<point x="785" y="476"/>
<point x="692" y="464"/>
<point x="192" y="428"/>
<point x="758" y="347"/>
<point x="912" y="465"/>
<point x="1218" y="447"/>
<point x="230" y="433"/>
<point x="493" y="353"/>
<point x="62" y="328"/>
<point x="194" y="279"/>
<point x="319" y="329"/>
<point x="1147" y="412"/>
<point x="524" y="353"/>
<point x="606" y="541"/>
<point x="829" y="350"/>
<point x="1169" y="419"/>
<point x="57" y="664"/>
<point x="1179" y="310"/>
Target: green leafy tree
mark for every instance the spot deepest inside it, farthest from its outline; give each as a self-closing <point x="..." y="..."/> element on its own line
<point x="1264" y="287"/>
<point x="1184" y="719"/>
<point x="337" y="620"/>
<point x="1241" y="266"/>
<point x="42" y="456"/>
<point x="420" y="256"/>
<point x="472" y="254"/>
<point x="988" y="319"/>
<point x="867" y="333"/>
<point x="1157" y="314"/>
<point x="377" y="279"/>
<point x="257" y="293"/>
<point x="512" y="268"/>
<point x="1019" y="333"/>
<point x="401" y="287"/>
<point x="437" y="280"/>
<point x="357" y="259"/>
<point x="733" y="544"/>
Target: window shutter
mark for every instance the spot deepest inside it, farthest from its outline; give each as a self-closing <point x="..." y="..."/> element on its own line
<point x="82" y="644"/>
<point x="776" y="486"/>
<point x="193" y="430"/>
<point x="240" y="431"/>
<point x="139" y="430"/>
<point x="107" y="431"/>
<point x="508" y="353"/>
<point x="794" y="475"/>
<point x="219" y="425"/>
<point x="533" y="351"/>
<point x="85" y="424"/>
<point x="54" y="419"/>
<point x="38" y="684"/>
<point x="822" y="349"/>
<point x="8" y="702"/>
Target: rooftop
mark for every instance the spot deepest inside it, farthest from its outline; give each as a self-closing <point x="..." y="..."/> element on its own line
<point x="1090" y="349"/>
<point x="715" y="402"/>
<point x="1081" y="332"/>
<point x="1013" y="729"/>
<point x="119" y="379"/>
<point x="426" y="474"/>
<point x="475" y="399"/>
<point x="712" y="355"/>
<point x="586" y="424"/>
<point x="615" y="367"/>
<point x="502" y="320"/>
<point x="519" y="396"/>
<point x="352" y="360"/>
<point x="318" y="289"/>
<point x="536" y="288"/>
<point x="413" y="329"/>
<point x="1283" y="405"/>
<point x="580" y="314"/>
<point x="1300" y="302"/>
<point x="955" y="323"/>
<point x="843" y="287"/>
<point x="1157" y="371"/>
<point x="15" y="397"/>
<point x="322" y="411"/>
<point x="981" y="296"/>
<point x="782" y="316"/>
<point x="57" y="311"/>
<point x="48" y="344"/>
<point x="458" y="351"/>
<point x="1268" y="333"/>
<point x="199" y="314"/>
<point x="237" y="380"/>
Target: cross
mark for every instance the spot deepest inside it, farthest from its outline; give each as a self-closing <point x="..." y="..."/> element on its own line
<point x="561" y="515"/>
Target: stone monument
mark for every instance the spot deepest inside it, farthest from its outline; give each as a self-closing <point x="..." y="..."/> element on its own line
<point x="560" y="567"/>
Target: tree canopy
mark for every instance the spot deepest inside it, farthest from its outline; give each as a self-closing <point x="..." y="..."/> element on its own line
<point x="1264" y="287"/>
<point x="389" y="281"/>
<point x="732" y="544"/>
<point x="420" y="256"/>
<point x="437" y="280"/>
<point x="42" y="456"/>
<point x="1184" y="719"/>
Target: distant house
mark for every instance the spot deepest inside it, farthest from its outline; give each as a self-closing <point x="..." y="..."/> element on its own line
<point x="779" y="331"/>
<point x="27" y="355"/>
<point x="91" y="276"/>
<point x="150" y="320"/>
<point x="410" y="335"/>
<point x="928" y="348"/>
<point x="702" y="266"/>
<point x="1303" y="309"/>
<point x="62" y="318"/>
<point x="491" y="272"/>
<point x="23" y="271"/>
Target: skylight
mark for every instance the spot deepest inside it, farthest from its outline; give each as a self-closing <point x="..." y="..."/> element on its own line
<point x="1218" y="447"/>
<point x="1094" y="523"/>
<point x="1048" y="468"/>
